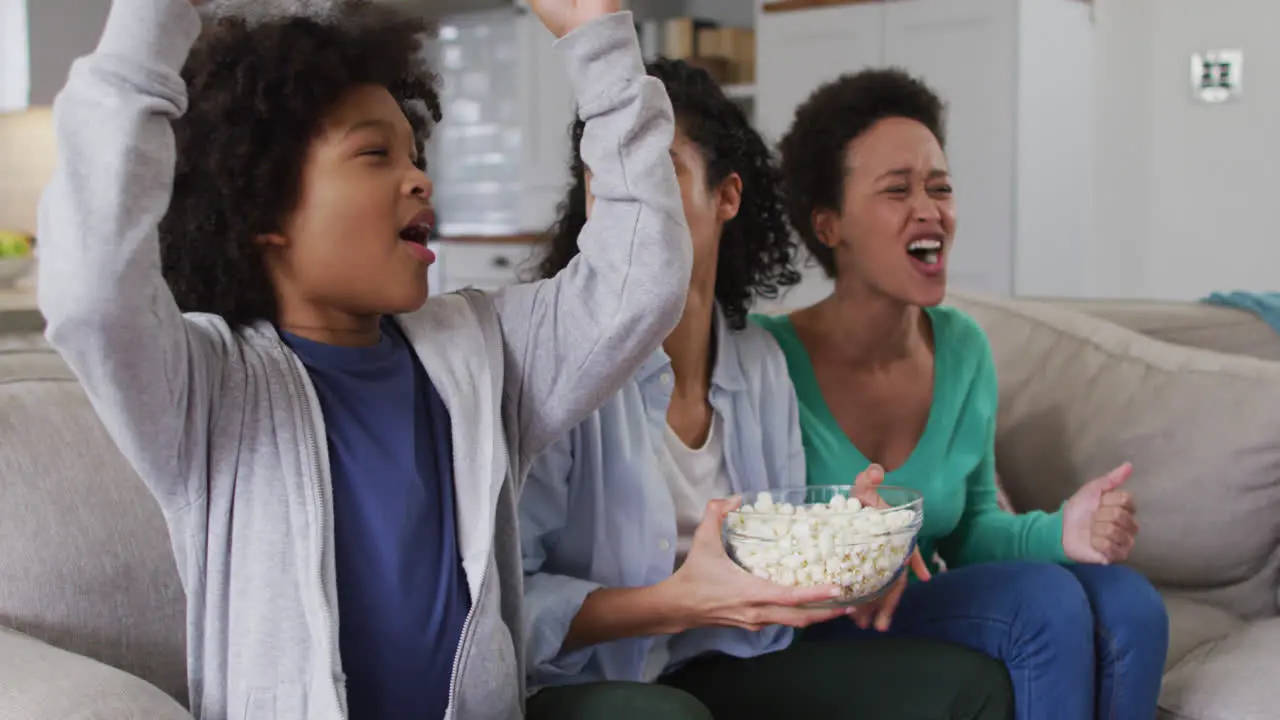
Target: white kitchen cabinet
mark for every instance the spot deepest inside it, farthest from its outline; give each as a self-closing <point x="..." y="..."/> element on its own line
<point x="1015" y="75"/>
<point x="479" y="264"/>
<point x="798" y="51"/>
<point x="15" y="59"/>
<point x="549" y="112"/>
<point x="499" y="157"/>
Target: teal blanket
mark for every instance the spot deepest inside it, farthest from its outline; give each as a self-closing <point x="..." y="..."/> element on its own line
<point x="1264" y="305"/>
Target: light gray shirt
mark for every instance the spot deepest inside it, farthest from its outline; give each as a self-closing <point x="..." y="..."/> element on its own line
<point x="224" y="428"/>
<point x="596" y="510"/>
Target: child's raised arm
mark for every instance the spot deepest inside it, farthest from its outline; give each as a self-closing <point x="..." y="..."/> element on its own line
<point x="149" y="372"/>
<point x="574" y="339"/>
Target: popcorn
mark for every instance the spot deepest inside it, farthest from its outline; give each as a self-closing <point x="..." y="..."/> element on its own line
<point x="839" y="543"/>
<point x="764" y="502"/>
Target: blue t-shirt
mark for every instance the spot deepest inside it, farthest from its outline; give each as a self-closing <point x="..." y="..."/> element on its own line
<point x="402" y="594"/>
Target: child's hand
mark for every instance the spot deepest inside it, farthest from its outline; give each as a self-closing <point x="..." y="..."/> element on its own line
<point x="564" y="16"/>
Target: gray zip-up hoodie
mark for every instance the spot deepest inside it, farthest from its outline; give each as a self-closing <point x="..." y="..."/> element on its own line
<point x="224" y="426"/>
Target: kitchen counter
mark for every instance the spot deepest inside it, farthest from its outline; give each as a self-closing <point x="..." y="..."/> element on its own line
<point x="18" y="311"/>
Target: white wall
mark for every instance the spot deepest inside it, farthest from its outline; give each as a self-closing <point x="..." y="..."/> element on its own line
<point x="26" y="164"/>
<point x="60" y="32"/>
<point x="1053" y="220"/>
<point x="736" y="13"/>
<point x="1185" y="194"/>
<point x="659" y="9"/>
<point x="15" y="77"/>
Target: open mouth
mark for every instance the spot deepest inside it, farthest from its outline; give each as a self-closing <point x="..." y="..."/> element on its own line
<point x="418" y="231"/>
<point x="926" y="250"/>
<point x="416" y="234"/>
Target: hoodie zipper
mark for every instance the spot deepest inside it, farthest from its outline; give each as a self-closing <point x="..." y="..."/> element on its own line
<point x="462" y="641"/>
<point x="475" y="603"/>
<point x="317" y="486"/>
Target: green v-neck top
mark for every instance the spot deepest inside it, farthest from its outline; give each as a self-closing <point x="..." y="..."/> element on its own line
<point x="953" y="463"/>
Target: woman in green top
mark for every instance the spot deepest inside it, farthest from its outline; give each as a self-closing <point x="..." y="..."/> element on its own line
<point x="885" y="375"/>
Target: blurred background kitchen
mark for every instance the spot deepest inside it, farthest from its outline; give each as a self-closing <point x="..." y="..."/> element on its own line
<point x="1114" y="148"/>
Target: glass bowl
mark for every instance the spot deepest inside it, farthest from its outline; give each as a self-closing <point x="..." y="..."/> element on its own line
<point x="827" y="535"/>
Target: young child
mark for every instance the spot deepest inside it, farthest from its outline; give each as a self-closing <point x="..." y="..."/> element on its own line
<point x="233" y="264"/>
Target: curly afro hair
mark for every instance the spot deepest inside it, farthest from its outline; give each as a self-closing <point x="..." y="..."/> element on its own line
<point x="813" y="150"/>
<point x="757" y="251"/>
<point x="257" y="95"/>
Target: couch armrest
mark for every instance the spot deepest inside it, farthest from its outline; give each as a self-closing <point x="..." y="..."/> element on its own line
<point x="41" y="682"/>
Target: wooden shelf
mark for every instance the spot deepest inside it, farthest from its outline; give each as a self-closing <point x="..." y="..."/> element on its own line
<point x="789" y="5"/>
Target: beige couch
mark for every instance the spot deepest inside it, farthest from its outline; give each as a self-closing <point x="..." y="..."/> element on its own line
<point x="85" y="561"/>
<point x="1079" y="395"/>
<point x="91" y="599"/>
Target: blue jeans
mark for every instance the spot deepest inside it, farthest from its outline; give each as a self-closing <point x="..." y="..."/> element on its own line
<point x="1080" y="641"/>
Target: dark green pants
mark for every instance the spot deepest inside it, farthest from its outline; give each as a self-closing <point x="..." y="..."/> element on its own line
<point x="885" y="678"/>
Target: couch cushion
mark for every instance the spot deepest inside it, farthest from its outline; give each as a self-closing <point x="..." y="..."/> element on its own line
<point x="41" y="682"/>
<point x="1231" y="679"/>
<point x="1192" y="624"/>
<point x="1079" y="395"/>
<point x="85" y="559"/>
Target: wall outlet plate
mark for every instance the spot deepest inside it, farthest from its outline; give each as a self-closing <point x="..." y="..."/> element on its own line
<point x="1217" y="76"/>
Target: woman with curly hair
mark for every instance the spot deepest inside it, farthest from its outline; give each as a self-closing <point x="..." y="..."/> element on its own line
<point x="632" y="607"/>
<point x="233" y="263"/>
<point x="888" y="377"/>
